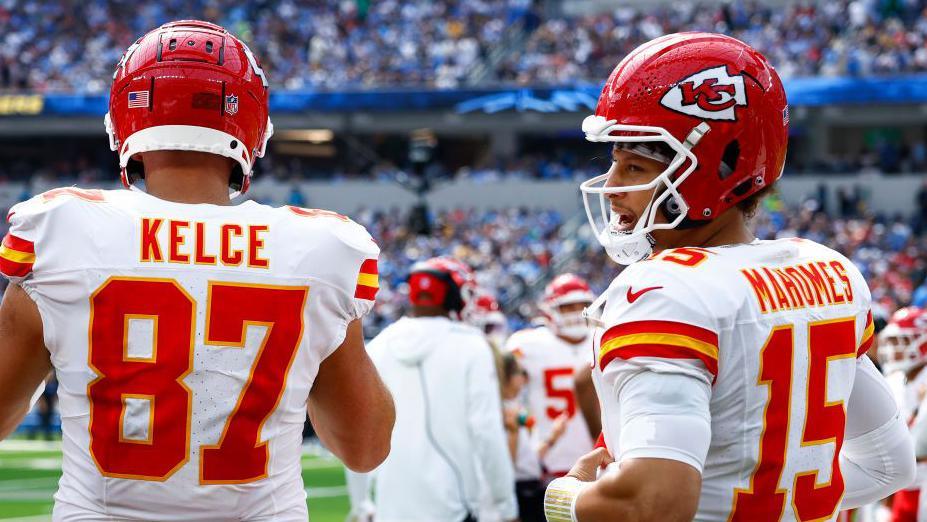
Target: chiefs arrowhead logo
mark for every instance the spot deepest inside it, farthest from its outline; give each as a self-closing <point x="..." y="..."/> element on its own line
<point x="711" y="94"/>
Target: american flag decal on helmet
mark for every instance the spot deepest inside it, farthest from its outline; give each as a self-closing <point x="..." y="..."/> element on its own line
<point x="138" y="100"/>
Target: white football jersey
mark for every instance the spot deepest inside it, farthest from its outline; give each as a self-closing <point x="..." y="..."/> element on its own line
<point x="186" y="339"/>
<point x="908" y="394"/>
<point x="550" y="362"/>
<point x="774" y="328"/>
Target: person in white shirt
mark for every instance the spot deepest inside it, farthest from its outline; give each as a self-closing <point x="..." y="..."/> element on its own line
<point x="449" y="428"/>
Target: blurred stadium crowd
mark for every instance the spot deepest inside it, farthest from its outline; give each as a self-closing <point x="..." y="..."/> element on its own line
<point x="885" y="156"/>
<point x="70" y="45"/>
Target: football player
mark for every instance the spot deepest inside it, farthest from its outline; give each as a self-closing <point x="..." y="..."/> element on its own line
<point x="903" y="353"/>
<point x="729" y="369"/>
<point x="190" y="336"/>
<point x="449" y="428"/>
<point x="549" y="354"/>
<point x="486" y="315"/>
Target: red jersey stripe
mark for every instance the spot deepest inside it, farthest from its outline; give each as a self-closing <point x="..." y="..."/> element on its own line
<point x="12" y="242"/>
<point x="661" y="327"/>
<point x="660" y="351"/>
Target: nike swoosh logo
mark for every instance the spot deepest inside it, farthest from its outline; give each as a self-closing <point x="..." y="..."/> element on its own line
<point x="634" y="296"/>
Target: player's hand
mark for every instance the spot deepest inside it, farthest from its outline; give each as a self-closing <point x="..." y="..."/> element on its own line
<point x="589" y="464"/>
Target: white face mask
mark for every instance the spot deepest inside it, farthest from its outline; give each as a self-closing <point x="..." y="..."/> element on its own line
<point x="625" y="248"/>
<point x="571" y="325"/>
<point x="629" y="246"/>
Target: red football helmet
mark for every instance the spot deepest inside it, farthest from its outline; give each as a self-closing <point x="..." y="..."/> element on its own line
<point x="486" y="314"/>
<point x="903" y="342"/>
<point x="566" y="289"/>
<point x="189" y="85"/>
<point x="441" y="281"/>
<point x="715" y="105"/>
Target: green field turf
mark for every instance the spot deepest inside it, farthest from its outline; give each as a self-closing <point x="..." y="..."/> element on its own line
<point x="29" y="473"/>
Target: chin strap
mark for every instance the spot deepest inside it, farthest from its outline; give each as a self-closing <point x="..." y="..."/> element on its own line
<point x="593" y="312"/>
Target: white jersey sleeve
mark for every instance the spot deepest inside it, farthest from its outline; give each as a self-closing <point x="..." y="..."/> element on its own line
<point x="17" y="254"/>
<point x="347" y="259"/>
<point x="877" y="457"/>
<point x="341" y="259"/>
<point x="657" y="359"/>
<point x="655" y="321"/>
<point x="30" y="225"/>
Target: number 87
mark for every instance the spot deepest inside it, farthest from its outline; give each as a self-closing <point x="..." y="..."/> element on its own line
<point x="239" y="456"/>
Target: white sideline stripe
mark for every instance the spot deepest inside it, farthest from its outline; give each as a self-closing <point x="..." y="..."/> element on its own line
<point x="14" y="484"/>
<point x="42" y="496"/>
<point x="321" y="492"/>
<point x="321" y="464"/>
<point x="30" y="445"/>
<point x="44" y="464"/>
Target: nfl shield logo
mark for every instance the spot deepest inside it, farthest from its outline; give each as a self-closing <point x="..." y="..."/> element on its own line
<point x="231" y="104"/>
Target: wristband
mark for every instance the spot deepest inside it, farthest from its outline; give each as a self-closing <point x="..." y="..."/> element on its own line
<point x="560" y="499"/>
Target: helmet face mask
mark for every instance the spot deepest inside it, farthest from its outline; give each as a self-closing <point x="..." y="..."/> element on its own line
<point x="717" y="104"/>
<point x="626" y="247"/>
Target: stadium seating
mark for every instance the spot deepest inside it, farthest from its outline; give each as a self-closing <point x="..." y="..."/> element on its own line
<point x="335" y="44"/>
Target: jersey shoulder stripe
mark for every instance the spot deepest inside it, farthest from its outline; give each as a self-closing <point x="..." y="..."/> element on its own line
<point x="666" y="339"/>
<point x="16" y="256"/>
<point x="868" y="336"/>
<point x="368" y="281"/>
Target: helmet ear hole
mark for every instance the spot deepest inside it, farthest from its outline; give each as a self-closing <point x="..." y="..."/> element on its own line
<point x="743" y="188"/>
<point x="671" y="207"/>
<point x="729" y="160"/>
<point x="237" y="178"/>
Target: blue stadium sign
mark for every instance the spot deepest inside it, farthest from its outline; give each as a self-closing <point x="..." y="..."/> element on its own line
<point x="579" y="98"/>
<point x="561" y="100"/>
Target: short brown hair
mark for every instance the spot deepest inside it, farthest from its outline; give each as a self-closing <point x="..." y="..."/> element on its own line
<point x="748" y="206"/>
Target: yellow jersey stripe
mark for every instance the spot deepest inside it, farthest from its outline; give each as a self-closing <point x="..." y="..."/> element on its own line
<point x="868" y="332"/>
<point x="16" y="256"/>
<point x="371" y="280"/>
<point x="666" y="339"/>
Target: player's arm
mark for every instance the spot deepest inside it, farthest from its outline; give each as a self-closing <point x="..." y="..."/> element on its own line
<point x="25" y="359"/>
<point x="877" y="457"/>
<point x="586" y="398"/>
<point x="350" y="407"/>
<point x="665" y="434"/>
